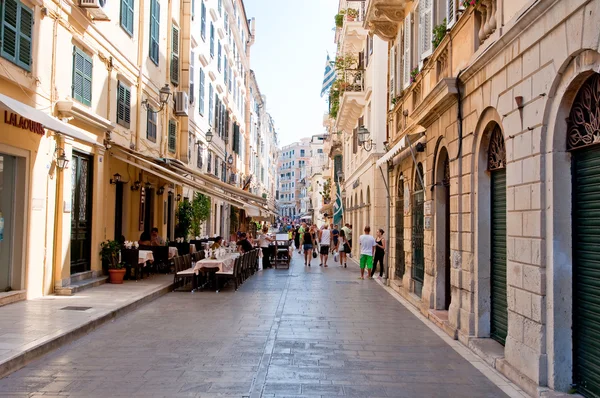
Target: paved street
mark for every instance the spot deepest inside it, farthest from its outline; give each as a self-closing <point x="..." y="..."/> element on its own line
<point x="299" y="332"/>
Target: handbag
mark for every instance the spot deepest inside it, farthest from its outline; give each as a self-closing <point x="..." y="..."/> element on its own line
<point x="314" y="254"/>
<point x="346" y="248"/>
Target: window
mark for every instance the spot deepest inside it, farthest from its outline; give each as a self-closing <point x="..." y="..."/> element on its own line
<point x="172" y="136"/>
<point x="302" y="152"/>
<point x="127" y="16"/>
<point x="175" y="56"/>
<point x="201" y="93"/>
<point x="202" y="20"/>
<point x="151" y="126"/>
<point x="407" y="50"/>
<point x="319" y="151"/>
<point x="192" y="78"/>
<point x="212" y="40"/>
<point x="220" y="7"/>
<point x="82" y="77"/>
<point x="17" y="30"/>
<point x="209" y="163"/>
<point x="194" y="9"/>
<point x="225" y="69"/>
<point x="425" y="27"/>
<point x="154" y="30"/>
<point x="123" y="105"/>
<point x="226" y="23"/>
<point x="219" y="55"/>
<point x="216" y="167"/>
<point x="211" y="109"/>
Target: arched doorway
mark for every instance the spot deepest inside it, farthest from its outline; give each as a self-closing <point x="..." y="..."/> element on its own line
<point x="442" y="220"/>
<point x="418" y="236"/>
<point x="583" y="136"/>
<point x="400" y="229"/>
<point x="497" y="168"/>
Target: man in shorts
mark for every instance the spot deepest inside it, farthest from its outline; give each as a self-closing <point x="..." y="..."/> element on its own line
<point x="367" y="251"/>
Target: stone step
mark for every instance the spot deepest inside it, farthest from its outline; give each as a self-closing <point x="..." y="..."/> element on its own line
<point x="78" y="286"/>
<point x="82" y="275"/>
<point x="12" y="297"/>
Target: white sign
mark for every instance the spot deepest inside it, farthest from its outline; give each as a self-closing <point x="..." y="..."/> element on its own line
<point x="427" y="208"/>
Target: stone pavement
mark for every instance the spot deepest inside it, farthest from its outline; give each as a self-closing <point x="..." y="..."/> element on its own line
<point x="303" y="332"/>
<point x="34" y="327"/>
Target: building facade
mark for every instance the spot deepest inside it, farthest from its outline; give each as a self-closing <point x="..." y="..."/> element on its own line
<point x="490" y="171"/>
<point x="293" y="160"/>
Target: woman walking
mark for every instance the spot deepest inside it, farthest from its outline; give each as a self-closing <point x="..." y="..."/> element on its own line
<point x="379" y="253"/>
<point x="343" y="246"/>
<point x="309" y="241"/>
<point x="264" y="241"/>
<point x="297" y="238"/>
<point x="325" y="241"/>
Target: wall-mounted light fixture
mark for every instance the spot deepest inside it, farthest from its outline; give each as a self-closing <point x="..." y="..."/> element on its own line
<point x="61" y="159"/>
<point x="163" y="97"/>
<point x="148" y="185"/>
<point x="136" y="186"/>
<point x="209" y="136"/>
<point x="116" y="179"/>
<point x="160" y="190"/>
<point x="230" y="160"/>
<point x="364" y="138"/>
<point x="178" y="198"/>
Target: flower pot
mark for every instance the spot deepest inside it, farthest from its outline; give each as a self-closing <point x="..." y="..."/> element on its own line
<point x="349" y="18"/>
<point x="116" y="275"/>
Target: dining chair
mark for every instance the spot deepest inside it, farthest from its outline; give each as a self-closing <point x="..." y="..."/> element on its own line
<point x="233" y="275"/>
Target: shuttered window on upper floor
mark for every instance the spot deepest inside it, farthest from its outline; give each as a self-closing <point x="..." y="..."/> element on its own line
<point x="17" y="32"/>
<point x="127" y="16"/>
<point x="82" y="77"/>
<point x="154" y="30"/>
<point x="202" y="20"/>
<point x="151" y="126"/>
<point x="175" y="55"/>
<point x="192" y="77"/>
<point x="201" y="93"/>
<point x="212" y="40"/>
<point x="123" y="105"/>
<point x="172" y="136"/>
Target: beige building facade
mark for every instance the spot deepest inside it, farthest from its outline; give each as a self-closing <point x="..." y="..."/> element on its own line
<point x="492" y="179"/>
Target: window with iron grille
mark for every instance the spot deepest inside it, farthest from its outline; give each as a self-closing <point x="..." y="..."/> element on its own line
<point x="172" y="136"/>
<point x="123" y="105"/>
<point x="82" y="77"/>
<point x="17" y="33"/>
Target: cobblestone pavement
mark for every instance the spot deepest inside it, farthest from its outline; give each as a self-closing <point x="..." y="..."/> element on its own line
<point x="302" y="332"/>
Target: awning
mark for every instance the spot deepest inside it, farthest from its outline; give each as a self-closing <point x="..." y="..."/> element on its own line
<point x="51" y="123"/>
<point x="173" y="177"/>
<point x="252" y="211"/>
<point x="401" y="145"/>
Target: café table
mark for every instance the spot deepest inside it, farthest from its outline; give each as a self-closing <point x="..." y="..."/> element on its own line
<point x="223" y="264"/>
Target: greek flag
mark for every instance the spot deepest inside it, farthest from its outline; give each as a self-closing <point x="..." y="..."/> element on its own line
<point x="329" y="77"/>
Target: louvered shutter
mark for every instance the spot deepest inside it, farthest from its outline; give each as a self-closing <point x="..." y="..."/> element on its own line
<point x="192" y="78"/>
<point x="212" y="40"/>
<point x="209" y="162"/>
<point x="25" y="33"/>
<point x="407" y="50"/>
<point x="123" y="105"/>
<point x="175" y="56"/>
<point x="219" y="55"/>
<point x="202" y="20"/>
<point x="392" y="73"/>
<point x="154" y="30"/>
<point x="451" y="13"/>
<point x="201" y="93"/>
<point x="17" y="29"/>
<point x="216" y="113"/>
<point x="225" y="69"/>
<point x="211" y="110"/>
<point x="355" y="140"/>
<point x="172" y="136"/>
<point x="82" y="77"/>
<point x="127" y="16"/>
<point x="426" y="27"/>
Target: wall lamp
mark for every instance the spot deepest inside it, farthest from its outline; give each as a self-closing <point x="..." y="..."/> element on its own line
<point x="148" y="185"/>
<point x="163" y="97"/>
<point x="178" y="198"/>
<point x="209" y="136"/>
<point x="116" y="179"/>
<point x="160" y="190"/>
<point x="136" y="186"/>
<point x="364" y="139"/>
<point x="61" y="159"/>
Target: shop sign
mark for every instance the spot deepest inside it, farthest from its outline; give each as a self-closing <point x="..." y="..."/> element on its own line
<point x="23" y="123"/>
<point x="427" y="223"/>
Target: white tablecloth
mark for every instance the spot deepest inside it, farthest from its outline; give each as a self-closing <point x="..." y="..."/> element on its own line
<point x="173" y="252"/>
<point x="145" y="255"/>
<point x="224" y="264"/>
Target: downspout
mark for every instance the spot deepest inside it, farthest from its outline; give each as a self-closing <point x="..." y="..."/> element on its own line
<point x="139" y="79"/>
<point x="459" y="117"/>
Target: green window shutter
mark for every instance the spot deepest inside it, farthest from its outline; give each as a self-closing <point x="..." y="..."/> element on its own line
<point x="201" y="93"/>
<point x="219" y="55"/>
<point x="123" y="105"/>
<point x="17" y="30"/>
<point x="192" y="78"/>
<point x="175" y="56"/>
<point x="127" y="16"/>
<point x="202" y="20"/>
<point x="82" y="77"/>
<point x="172" y="136"/>
<point x="25" y="34"/>
<point x="212" y="40"/>
<point x="154" y="30"/>
<point x="211" y="109"/>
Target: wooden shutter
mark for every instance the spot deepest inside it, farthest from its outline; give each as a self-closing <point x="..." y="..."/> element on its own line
<point x="127" y="16"/>
<point x="82" y="77"/>
<point x="366" y="56"/>
<point x="202" y="20"/>
<point x="175" y="56"/>
<point x="211" y="110"/>
<point x="392" y="73"/>
<point x="154" y="30"/>
<point x="499" y="312"/>
<point x="151" y="126"/>
<point x="451" y="13"/>
<point x="123" y="105"/>
<point x="17" y="30"/>
<point x="172" y="136"/>
<point x="192" y="78"/>
<point x="219" y="55"/>
<point x="212" y="40"/>
<point x="407" y="49"/>
<point x="355" y="140"/>
<point x="201" y="93"/>
<point x="361" y="60"/>
<point x="225" y="69"/>
<point x="426" y="27"/>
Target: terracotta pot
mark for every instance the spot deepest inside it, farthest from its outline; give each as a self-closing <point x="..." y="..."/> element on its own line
<point x="116" y="275"/>
<point x="349" y="18"/>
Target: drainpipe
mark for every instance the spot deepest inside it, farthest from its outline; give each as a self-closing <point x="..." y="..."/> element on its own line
<point x="141" y="42"/>
<point x="459" y="117"/>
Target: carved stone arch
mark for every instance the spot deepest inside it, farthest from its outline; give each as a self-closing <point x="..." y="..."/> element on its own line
<point x="496" y="150"/>
<point x="583" y="123"/>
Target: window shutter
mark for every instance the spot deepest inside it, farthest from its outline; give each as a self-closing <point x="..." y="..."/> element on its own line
<point x="212" y="40"/>
<point x="210" y="105"/>
<point x="127" y="16"/>
<point x="225" y="69"/>
<point x="175" y="56"/>
<point x="199" y="157"/>
<point x="355" y="140"/>
<point x="399" y="55"/>
<point x="202" y="20"/>
<point x="407" y="49"/>
<point x="361" y="60"/>
<point x="426" y="27"/>
<point x="123" y="105"/>
<point x="172" y="136"/>
<point x="201" y="94"/>
<point x="208" y="162"/>
<point x="82" y="77"/>
<point x="392" y="73"/>
<point x="154" y="30"/>
<point x="17" y="30"/>
<point x="192" y="78"/>
<point x="151" y="126"/>
<point x="216" y="113"/>
<point x="451" y="13"/>
<point x="25" y="33"/>
<point x="219" y="55"/>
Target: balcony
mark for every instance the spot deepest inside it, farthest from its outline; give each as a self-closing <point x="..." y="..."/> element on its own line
<point x="350" y="99"/>
<point x="353" y="34"/>
<point x="383" y="17"/>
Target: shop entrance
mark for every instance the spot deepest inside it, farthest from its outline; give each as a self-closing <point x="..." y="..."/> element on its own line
<point x="81" y="214"/>
<point x="7" y="220"/>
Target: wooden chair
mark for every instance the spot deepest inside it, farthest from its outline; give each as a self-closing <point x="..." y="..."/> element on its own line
<point x="183" y="273"/>
<point x="228" y="276"/>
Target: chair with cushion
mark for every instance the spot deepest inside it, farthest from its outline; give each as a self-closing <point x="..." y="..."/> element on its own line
<point x="183" y="273"/>
<point x="228" y="276"/>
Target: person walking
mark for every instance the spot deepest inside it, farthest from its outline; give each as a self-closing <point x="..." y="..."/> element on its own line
<point x="335" y="234"/>
<point x="325" y="241"/>
<point x="308" y="246"/>
<point x="367" y="251"/>
<point x="297" y="236"/>
<point x="379" y="253"/>
<point x="264" y="241"/>
<point x="348" y="231"/>
<point x="342" y="247"/>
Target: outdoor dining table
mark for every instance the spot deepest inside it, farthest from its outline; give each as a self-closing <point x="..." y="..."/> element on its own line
<point x="145" y="256"/>
<point x="223" y="264"/>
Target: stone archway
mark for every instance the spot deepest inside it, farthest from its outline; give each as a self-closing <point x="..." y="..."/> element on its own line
<point x="418" y="232"/>
<point x="443" y="291"/>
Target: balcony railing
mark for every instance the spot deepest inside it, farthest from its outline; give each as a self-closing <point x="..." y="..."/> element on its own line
<point x="353" y="80"/>
<point x="360" y="7"/>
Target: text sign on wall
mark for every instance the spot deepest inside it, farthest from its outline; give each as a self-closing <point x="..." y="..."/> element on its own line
<point x="23" y="123"/>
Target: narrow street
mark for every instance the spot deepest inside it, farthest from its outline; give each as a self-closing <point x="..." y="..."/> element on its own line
<point x="299" y="332"/>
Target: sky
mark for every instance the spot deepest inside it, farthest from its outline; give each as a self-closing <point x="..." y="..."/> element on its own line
<point x="288" y="57"/>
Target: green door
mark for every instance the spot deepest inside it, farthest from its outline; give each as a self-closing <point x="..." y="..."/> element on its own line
<point x="418" y="233"/>
<point x="586" y="271"/>
<point x="400" y="231"/>
<point x="499" y="318"/>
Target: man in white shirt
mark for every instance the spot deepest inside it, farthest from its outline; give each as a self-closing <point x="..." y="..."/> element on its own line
<point x="367" y="251"/>
<point x="325" y="241"/>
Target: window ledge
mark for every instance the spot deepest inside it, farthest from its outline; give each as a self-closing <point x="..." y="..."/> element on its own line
<point x="80" y="112"/>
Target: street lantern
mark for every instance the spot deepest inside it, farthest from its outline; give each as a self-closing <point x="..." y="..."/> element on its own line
<point x="116" y="179"/>
<point x="209" y="136"/>
<point x="364" y="139"/>
<point x="230" y="160"/>
<point x="163" y="97"/>
<point x="61" y="159"/>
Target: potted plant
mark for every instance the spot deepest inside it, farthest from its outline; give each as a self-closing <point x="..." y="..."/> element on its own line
<point x="351" y="14"/>
<point x="339" y="20"/>
<point x="109" y="250"/>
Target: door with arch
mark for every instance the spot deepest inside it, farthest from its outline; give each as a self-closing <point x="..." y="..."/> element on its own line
<point x="418" y="232"/>
<point x="400" y="266"/>
<point x="582" y="142"/>
<point x="497" y="168"/>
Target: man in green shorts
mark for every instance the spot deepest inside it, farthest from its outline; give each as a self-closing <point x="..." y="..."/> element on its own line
<point x="367" y="251"/>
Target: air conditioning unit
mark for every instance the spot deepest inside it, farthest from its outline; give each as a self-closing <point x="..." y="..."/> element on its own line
<point x="181" y="103"/>
<point x="96" y="8"/>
